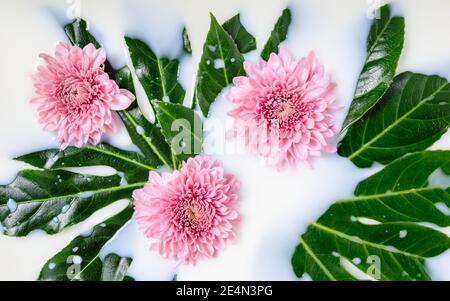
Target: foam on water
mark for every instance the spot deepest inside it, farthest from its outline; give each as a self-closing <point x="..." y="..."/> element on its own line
<point x="65" y="208"/>
<point x="367" y="221"/>
<point x="123" y="180"/>
<point x="219" y="64"/>
<point x="140" y="130"/>
<point x="352" y="269"/>
<point x="98" y="170"/>
<point x="12" y="205"/>
<point x="76" y="259"/>
<point x="403" y="233"/>
<point x="85" y="194"/>
<point x="441" y="206"/>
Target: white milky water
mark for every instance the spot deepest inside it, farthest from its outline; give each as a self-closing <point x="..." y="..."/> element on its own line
<point x="276" y="207"/>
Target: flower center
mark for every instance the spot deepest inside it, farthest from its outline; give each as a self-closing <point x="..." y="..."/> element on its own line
<point x="191" y="215"/>
<point x="284" y="108"/>
<point x="73" y="92"/>
<point x="194" y="214"/>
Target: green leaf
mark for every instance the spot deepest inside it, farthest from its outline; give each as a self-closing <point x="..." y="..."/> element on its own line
<point x="158" y="76"/>
<point x="124" y="79"/>
<point x="278" y="34"/>
<point x="134" y="166"/>
<point x="54" y="200"/>
<point x="181" y="127"/>
<point x="186" y="42"/>
<point x="145" y="135"/>
<point x="243" y="39"/>
<point x="411" y="116"/>
<point x="384" y="46"/>
<point x="66" y="265"/>
<point x="221" y="61"/>
<point x="79" y="35"/>
<point x="387" y="218"/>
<point x="115" y="268"/>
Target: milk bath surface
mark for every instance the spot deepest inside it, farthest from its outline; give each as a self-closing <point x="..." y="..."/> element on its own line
<point x="275" y="206"/>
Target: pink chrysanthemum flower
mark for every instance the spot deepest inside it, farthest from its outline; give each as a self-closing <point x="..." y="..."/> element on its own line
<point x="283" y="108"/>
<point x="75" y="97"/>
<point x="189" y="213"/>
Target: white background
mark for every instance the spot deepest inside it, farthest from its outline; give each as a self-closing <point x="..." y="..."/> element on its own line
<point x="275" y="206"/>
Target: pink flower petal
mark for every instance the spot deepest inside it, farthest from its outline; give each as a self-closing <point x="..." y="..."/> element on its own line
<point x="121" y="101"/>
<point x="189" y="213"/>
<point x="75" y="97"/>
<point x="290" y="99"/>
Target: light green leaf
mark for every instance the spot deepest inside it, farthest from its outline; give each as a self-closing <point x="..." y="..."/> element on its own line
<point x="80" y="259"/>
<point x="243" y="39"/>
<point x="411" y="116"/>
<point x="158" y="76"/>
<point x="181" y="127"/>
<point x="221" y="61"/>
<point x="54" y="200"/>
<point x="387" y="221"/>
<point x="278" y="34"/>
<point x="384" y="46"/>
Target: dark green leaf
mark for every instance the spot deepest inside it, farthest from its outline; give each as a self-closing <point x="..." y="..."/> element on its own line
<point x="384" y="46"/>
<point x="388" y="218"/>
<point x="54" y="200"/>
<point x="181" y="127"/>
<point x="124" y="79"/>
<point x="134" y="166"/>
<point x="158" y="76"/>
<point x="79" y="35"/>
<point x="145" y="135"/>
<point x="243" y="39"/>
<point x="221" y="61"/>
<point x="411" y="116"/>
<point x="186" y="42"/>
<point x="66" y="265"/>
<point x="278" y="34"/>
